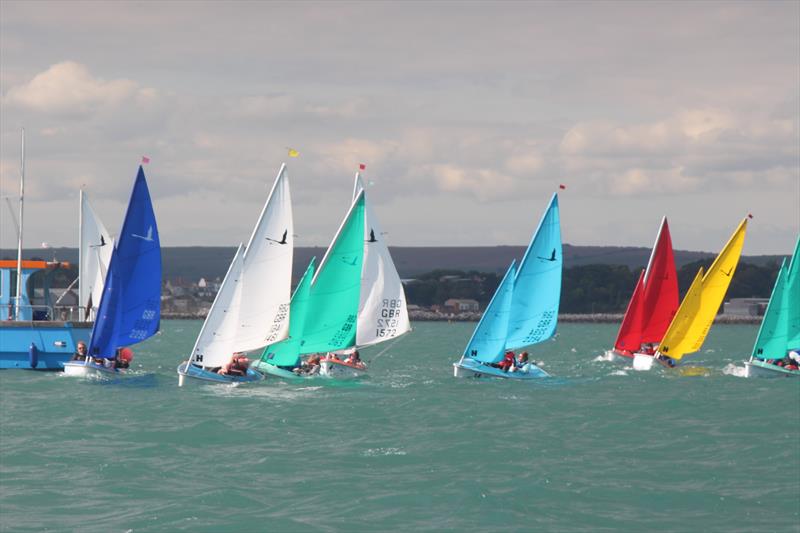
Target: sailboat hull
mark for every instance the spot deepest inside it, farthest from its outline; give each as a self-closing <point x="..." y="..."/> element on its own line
<point x="617" y="357"/>
<point x="199" y="374"/>
<point x="469" y="368"/>
<point x="762" y="369"/>
<point x="272" y="370"/>
<point x="80" y="369"/>
<point x="341" y="370"/>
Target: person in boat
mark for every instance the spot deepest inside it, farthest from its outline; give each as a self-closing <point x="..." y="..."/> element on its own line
<point x="123" y="358"/>
<point x="519" y="364"/>
<point x="355" y="360"/>
<point x="80" y="352"/>
<point x="310" y="366"/>
<point x="648" y="349"/>
<point x="237" y="366"/>
<point x="507" y="362"/>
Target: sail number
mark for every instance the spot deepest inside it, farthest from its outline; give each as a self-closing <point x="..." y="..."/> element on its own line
<point x="386" y="325"/>
<point x="277" y="324"/>
<point x="344" y="335"/>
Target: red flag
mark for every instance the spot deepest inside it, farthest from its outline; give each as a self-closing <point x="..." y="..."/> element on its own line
<point x="362" y="166"/>
<point x="562" y="187"/>
<point x="749" y="215"/>
<point x="145" y="159"/>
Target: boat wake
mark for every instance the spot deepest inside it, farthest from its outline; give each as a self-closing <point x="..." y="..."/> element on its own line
<point x="733" y="370"/>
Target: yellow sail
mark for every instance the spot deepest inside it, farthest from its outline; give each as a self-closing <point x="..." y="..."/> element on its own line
<point x="691" y="324"/>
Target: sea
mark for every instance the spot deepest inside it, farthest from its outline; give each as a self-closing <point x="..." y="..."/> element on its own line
<point x="597" y="447"/>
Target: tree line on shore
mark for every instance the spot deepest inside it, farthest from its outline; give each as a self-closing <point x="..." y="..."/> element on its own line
<point x="585" y="289"/>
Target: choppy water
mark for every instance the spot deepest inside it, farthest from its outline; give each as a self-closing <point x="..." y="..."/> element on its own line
<point x="600" y="447"/>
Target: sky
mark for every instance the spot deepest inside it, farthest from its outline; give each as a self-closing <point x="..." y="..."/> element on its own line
<point x="467" y="115"/>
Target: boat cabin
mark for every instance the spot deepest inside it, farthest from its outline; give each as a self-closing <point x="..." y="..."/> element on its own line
<point x="40" y="299"/>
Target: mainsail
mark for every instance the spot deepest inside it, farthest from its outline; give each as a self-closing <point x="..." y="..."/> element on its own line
<point x="780" y="328"/>
<point x="694" y="318"/>
<point x="537" y="284"/>
<point x="95" y="248"/>
<point x="382" y="312"/>
<point x="130" y="305"/>
<point x="251" y="308"/>
<point x="334" y="295"/>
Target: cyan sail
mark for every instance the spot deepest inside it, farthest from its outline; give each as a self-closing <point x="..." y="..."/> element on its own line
<point x="130" y="306"/>
<point x="287" y="352"/>
<point x="537" y="284"/>
<point x="336" y="288"/>
<point x="780" y="329"/>
<point x="488" y="342"/>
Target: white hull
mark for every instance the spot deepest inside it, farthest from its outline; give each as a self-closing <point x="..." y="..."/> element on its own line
<point x="339" y="370"/>
<point x="79" y="370"/>
<point x="643" y="362"/>
<point x="460" y="372"/>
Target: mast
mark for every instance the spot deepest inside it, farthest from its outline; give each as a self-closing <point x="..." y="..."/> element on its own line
<point x="19" y="236"/>
<point x="81" y="285"/>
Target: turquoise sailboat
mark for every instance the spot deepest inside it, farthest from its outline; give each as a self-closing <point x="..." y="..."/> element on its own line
<point x="324" y="306"/>
<point x="523" y="310"/>
<point x="777" y="349"/>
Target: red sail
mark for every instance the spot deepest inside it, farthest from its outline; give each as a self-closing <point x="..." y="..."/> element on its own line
<point x="629" y="338"/>
<point x="660" y="289"/>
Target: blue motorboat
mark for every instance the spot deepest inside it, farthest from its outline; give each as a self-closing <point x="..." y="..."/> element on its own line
<point x="523" y="310"/>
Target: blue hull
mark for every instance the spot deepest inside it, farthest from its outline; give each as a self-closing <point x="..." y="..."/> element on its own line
<point x="476" y="369"/>
<point x="55" y="343"/>
<point x="196" y="372"/>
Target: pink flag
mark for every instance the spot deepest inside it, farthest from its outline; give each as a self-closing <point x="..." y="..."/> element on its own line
<point x="145" y="159"/>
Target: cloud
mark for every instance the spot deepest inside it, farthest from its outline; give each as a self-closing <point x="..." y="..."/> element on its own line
<point x="68" y="88"/>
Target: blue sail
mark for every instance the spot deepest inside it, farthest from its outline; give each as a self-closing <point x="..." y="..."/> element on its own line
<point x="130" y="306"/>
<point x="537" y="285"/>
<point x="489" y="339"/>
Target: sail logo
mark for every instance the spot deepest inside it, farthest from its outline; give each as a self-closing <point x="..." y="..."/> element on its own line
<point x="148" y="237"/>
<point x="283" y="238"/>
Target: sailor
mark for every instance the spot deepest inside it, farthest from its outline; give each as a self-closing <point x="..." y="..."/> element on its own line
<point x="519" y="364"/>
<point x="80" y="352"/>
<point x="237" y="366"/>
<point x="507" y="362"/>
<point x="355" y="360"/>
<point x="123" y="358"/>
<point x="309" y="366"/>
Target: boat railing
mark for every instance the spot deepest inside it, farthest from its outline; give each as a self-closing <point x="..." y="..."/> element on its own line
<point x="61" y="313"/>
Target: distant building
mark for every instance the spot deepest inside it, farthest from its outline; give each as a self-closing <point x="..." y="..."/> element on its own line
<point x="745" y="306"/>
<point x="461" y="305"/>
<point x="202" y="283"/>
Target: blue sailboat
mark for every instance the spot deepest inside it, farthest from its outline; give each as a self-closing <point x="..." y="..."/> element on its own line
<point x="130" y="305"/>
<point x="523" y="310"/>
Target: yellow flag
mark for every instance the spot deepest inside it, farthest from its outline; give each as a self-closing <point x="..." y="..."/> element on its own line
<point x="293" y="153"/>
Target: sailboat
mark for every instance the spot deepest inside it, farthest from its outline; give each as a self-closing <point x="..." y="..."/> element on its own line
<point x="251" y="309"/>
<point x="653" y="303"/>
<point x="779" y="334"/>
<point x="353" y="299"/>
<point x="692" y="322"/>
<point x="130" y="304"/>
<point x="523" y="310"/>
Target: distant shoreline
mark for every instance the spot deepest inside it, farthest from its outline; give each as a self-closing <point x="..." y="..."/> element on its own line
<point x="596" y="318"/>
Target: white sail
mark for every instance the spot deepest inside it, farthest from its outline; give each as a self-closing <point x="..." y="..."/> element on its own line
<point x="267" y="272"/>
<point x="215" y="343"/>
<point x="95" y="254"/>
<point x="382" y="312"/>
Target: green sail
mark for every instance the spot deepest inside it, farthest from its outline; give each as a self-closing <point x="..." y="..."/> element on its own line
<point x="287" y="352"/>
<point x="780" y="329"/>
<point x="332" y="309"/>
